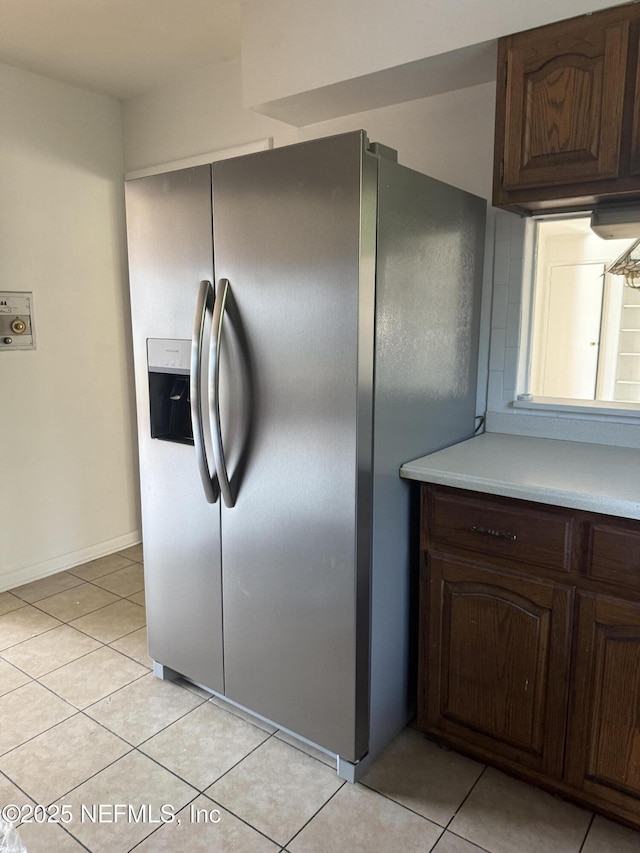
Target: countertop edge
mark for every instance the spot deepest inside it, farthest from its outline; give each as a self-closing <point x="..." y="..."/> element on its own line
<point x="456" y="470"/>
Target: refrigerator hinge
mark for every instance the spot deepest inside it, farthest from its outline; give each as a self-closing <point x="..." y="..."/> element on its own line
<point x="383" y="151"/>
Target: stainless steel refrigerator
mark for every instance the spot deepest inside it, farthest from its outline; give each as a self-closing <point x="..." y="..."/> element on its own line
<point x="305" y="320"/>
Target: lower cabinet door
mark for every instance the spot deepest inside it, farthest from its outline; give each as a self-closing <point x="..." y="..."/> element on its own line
<point x="495" y="662"/>
<point x="603" y="756"/>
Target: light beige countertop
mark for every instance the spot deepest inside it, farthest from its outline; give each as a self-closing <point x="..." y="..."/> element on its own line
<point x="594" y="477"/>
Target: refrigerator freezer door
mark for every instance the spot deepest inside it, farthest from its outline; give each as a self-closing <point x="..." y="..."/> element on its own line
<point x="287" y="236"/>
<point x="170" y="253"/>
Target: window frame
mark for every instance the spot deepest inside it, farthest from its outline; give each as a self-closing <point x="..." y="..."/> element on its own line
<point x="525" y="399"/>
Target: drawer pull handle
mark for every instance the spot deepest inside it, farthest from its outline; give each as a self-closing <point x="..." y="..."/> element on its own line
<point x="491" y="532"/>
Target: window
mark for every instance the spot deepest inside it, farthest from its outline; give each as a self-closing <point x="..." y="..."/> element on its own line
<point x="585" y="329"/>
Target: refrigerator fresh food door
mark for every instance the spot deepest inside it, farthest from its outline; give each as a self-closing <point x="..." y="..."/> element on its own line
<point x="170" y="254"/>
<point x="287" y="233"/>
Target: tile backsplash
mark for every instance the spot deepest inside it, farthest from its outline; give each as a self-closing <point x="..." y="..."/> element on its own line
<point x="508" y="261"/>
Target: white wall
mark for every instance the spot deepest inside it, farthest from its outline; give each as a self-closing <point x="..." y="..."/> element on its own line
<point x="448" y="136"/>
<point x="69" y="463"/>
<point x="196" y="114"/>
<point x="295" y="46"/>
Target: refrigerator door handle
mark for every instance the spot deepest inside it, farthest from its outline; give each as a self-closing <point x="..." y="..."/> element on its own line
<point x="225" y="308"/>
<point x="204" y="305"/>
<point x="224" y="292"/>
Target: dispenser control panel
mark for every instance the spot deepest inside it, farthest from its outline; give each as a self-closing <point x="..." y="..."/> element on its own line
<point x="168" y="356"/>
<point x="17" y="330"/>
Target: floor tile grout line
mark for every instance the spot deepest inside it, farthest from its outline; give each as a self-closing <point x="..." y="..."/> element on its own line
<point x="268" y="736"/>
<point x="186" y="714"/>
<point x="403" y="805"/>
<point x="8" y="663"/>
<point x="115" y="639"/>
<point x="29" y="739"/>
<point x="84" y="781"/>
<point x="586" y="835"/>
<point x="124" y="654"/>
<point x="62" y="665"/>
<point x="113" y="554"/>
<point x="33" y="636"/>
<point x="15" y="784"/>
<point x="235" y="713"/>
<point x="219" y="805"/>
<point x="201" y="791"/>
<point x="84" y="633"/>
<point x="233" y="766"/>
<point x="462" y="838"/>
<point x="44" y="731"/>
<point x="242" y="819"/>
<point x="89" y="612"/>
<point x="75" y="627"/>
<point x="70" y="571"/>
<point x="80" y="580"/>
<point x="101" y="770"/>
<point x="75" y="707"/>
<point x="77" y="840"/>
<point x="168" y="769"/>
<point x="466" y="797"/>
<point x="158" y="828"/>
<point x="13" y="689"/>
<point x="22" y="605"/>
<point x="300" y="749"/>
<point x="132" y="748"/>
<point x="73" y="618"/>
<point x="315" y="814"/>
<point x="94" y="583"/>
<point x="136" y="746"/>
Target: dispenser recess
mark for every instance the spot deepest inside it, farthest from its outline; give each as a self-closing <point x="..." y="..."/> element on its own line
<point x="169" y="398"/>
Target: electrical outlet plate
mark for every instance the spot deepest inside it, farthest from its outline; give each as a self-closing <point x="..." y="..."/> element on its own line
<point x="17" y="330"/>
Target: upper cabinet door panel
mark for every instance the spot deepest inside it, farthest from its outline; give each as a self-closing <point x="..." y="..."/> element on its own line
<point x="564" y="104"/>
<point x="634" y="161"/>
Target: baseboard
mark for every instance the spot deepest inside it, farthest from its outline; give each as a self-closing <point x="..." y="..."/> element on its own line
<point x="26" y="574"/>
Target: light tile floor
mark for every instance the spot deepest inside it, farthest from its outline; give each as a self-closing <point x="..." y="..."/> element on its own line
<point x="85" y="726"/>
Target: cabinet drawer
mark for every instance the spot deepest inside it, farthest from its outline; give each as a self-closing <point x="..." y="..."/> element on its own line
<point x="614" y="555"/>
<point x="517" y="532"/>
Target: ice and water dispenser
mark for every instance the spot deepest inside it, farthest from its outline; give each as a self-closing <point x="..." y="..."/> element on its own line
<point x="169" y="398"/>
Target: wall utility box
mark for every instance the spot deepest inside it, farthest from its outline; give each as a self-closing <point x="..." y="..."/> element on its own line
<point x="17" y="330"/>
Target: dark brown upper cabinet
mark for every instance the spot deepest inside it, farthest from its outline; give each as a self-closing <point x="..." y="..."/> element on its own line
<point x="568" y="113"/>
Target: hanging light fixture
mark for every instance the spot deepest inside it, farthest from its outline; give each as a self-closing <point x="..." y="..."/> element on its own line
<point x="628" y="265"/>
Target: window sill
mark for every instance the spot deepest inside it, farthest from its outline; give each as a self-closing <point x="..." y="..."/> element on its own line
<point x="595" y="408"/>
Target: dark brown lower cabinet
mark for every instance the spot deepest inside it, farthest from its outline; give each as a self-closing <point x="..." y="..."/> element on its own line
<point x="498" y="661"/>
<point x="603" y="754"/>
<point x="529" y="652"/>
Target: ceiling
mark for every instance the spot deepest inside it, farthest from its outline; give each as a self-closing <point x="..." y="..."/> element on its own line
<point x="118" y="47"/>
